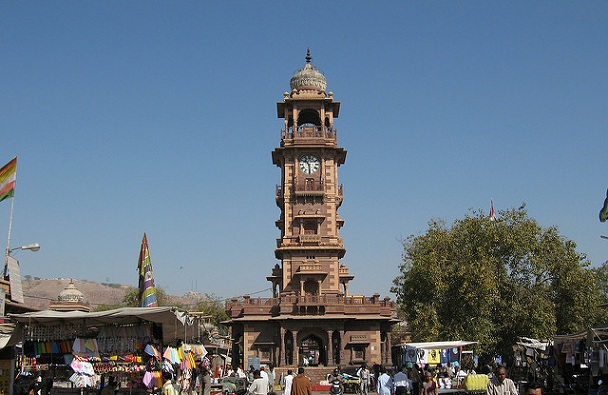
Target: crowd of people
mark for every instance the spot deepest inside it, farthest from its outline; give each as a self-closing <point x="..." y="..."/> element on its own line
<point x="405" y="381"/>
<point x="417" y="381"/>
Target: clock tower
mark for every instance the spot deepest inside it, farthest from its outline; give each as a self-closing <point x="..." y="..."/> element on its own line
<point x="309" y="195"/>
<point x="311" y="319"/>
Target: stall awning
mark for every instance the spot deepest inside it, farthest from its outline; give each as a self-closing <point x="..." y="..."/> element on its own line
<point x="438" y="345"/>
<point x="176" y="324"/>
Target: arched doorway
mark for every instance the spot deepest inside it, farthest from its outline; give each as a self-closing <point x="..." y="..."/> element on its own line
<point x="311" y="287"/>
<point x="288" y="348"/>
<point x="312" y="351"/>
<point x="336" y="347"/>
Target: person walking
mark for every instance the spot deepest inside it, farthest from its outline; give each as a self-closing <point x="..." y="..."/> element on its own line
<point x="429" y="386"/>
<point x="415" y="376"/>
<point x="110" y="387"/>
<point x="169" y="387"/>
<point x="259" y="386"/>
<point x="363" y="374"/>
<point x="301" y="385"/>
<point x="500" y="384"/>
<point x="271" y="377"/>
<point x="403" y="384"/>
<point x="287" y="381"/>
<point x="384" y="384"/>
<point x="204" y="369"/>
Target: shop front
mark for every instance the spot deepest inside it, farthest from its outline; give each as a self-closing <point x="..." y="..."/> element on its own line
<point x="80" y="351"/>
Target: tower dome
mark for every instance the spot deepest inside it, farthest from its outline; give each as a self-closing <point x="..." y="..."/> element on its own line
<point x="70" y="294"/>
<point x="308" y="77"/>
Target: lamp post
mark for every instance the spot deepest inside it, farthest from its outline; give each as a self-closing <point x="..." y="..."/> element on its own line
<point x="32" y="247"/>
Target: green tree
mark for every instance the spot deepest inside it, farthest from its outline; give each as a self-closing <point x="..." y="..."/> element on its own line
<point x="602" y="278"/>
<point x="214" y="309"/>
<point x="131" y="299"/>
<point x="492" y="281"/>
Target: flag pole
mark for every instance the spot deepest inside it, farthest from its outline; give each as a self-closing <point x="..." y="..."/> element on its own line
<point x="8" y="241"/>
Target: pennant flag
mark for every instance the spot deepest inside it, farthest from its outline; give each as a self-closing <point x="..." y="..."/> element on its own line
<point x="8" y="175"/>
<point x="492" y="214"/>
<point x="147" y="291"/>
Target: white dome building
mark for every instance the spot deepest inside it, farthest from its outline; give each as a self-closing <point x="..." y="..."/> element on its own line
<point x="70" y="299"/>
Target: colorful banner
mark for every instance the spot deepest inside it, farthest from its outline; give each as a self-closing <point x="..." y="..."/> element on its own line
<point x="147" y="290"/>
<point x="8" y="175"/>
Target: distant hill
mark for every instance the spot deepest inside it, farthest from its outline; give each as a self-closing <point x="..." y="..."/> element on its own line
<point x="39" y="293"/>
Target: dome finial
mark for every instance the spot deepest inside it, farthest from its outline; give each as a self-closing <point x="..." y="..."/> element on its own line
<point x="308" y="77"/>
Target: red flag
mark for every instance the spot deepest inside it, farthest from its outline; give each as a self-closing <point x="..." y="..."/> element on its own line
<point x="492" y="214"/>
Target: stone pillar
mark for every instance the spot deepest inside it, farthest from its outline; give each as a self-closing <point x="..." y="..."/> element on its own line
<point x="330" y="349"/>
<point x="296" y="348"/>
<point x="301" y="287"/>
<point x="319" y="282"/>
<point x="388" y="348"/>
<point x="282" y="348"/>
<point x="346" y="288"/>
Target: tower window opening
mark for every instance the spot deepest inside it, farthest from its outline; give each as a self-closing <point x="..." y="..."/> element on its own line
<point x="309" y="117"/>
<point x="310" y="228"/>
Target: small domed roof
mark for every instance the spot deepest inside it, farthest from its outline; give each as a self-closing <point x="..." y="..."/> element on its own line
<point x="308" y="77"/>
<point x="70" y="294"/>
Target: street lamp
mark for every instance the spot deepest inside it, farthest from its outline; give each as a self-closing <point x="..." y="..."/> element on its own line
<point x="32" y="247"/>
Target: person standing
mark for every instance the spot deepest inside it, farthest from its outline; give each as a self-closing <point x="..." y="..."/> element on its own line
<point x="301" y="385"/>
<point x="415" y="376"/>
<point x="205" y="372"/>
<point x="259" y="386"/>
<point x="169" y="387"/>
<point x="403" y="385"/>
<point x="384" y="384"/>
<point x="363" y="374"/>
<point x="110" y="387"/>
<point x="264" y="375"/>
<point x="287" y="381"/>
<point x="500" y="384"/>
<point x="271" y="377"/>
<point x="533" y="388"/>
<point x="429" y="386"/>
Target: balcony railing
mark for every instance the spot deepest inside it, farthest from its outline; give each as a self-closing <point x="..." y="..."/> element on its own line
<point x="332" y="304"/>
<point x="310" y="267"/>
<point x="309" y="132"/>
<point x="309" y="187"/>
<point x="309" y="239"/>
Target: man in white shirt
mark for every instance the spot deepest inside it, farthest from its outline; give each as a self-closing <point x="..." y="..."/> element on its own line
<point x="287" y="380"/>
<point x="364" y="379"/>
<point x="500" y="384"/>
<point x="259" y="386"/>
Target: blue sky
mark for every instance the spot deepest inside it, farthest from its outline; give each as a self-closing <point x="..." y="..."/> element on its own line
<point x="160" y="117"/>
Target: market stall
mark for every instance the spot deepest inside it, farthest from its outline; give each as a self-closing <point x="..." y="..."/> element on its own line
<point x="79" y="350"/>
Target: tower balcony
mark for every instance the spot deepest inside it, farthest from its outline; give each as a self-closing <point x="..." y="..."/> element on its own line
<point x="307" y="134"/>
<point x="311" y="268"/>
<point x="292" y="304"/>
<point x="309" y="188"/>
<point x="307" y="239"/>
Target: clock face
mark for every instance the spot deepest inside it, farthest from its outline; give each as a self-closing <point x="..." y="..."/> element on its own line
<point x="309" y="164"/>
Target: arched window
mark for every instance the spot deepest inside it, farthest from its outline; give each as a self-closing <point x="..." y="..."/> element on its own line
<point x="311" y="287"/>
<point x="309" y="117"/>
<point x="310" y="228"/>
